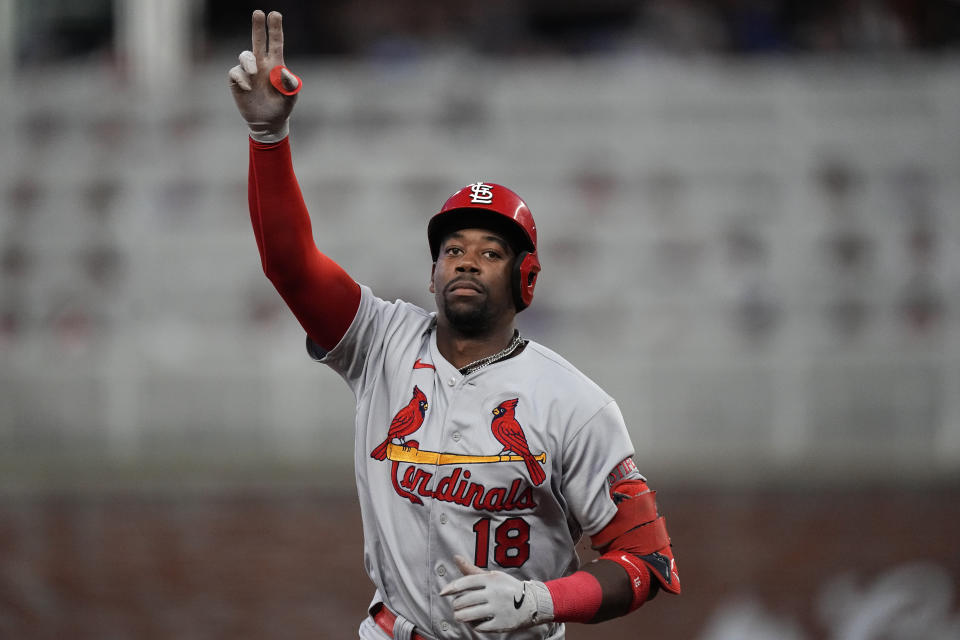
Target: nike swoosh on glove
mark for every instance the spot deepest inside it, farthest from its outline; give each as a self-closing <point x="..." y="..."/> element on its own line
<point x="496" y="601"/>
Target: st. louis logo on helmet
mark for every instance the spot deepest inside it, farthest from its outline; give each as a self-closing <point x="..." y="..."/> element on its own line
<point x="481" y="193"/>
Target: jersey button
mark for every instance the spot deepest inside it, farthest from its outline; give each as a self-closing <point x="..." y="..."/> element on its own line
<point x="443" y="518"/>
<point x="444" y="626"/>
<point x="441" y="571"/>
<point x="452" y="381"/>
<point x="456" y="436"/>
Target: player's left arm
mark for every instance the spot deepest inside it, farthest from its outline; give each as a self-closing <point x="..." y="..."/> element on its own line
<point x="636" y="563"/>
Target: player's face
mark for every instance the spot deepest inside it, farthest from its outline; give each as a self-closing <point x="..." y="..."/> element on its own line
<point x="471" y="280"/>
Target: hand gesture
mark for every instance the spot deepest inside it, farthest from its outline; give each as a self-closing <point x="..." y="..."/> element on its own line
<point x="493" y="601"/>
<point x="262" y="87"/>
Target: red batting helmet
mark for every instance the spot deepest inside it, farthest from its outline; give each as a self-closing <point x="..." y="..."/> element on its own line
<point x="491" y="206"/>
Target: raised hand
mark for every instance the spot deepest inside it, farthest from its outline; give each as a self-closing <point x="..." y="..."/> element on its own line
<point x="263" y="88"/>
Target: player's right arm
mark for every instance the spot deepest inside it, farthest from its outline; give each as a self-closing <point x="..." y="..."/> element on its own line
<point x="322" y="296"/>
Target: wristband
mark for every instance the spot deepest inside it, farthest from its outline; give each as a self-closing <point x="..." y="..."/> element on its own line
<point x="575" y="598"/>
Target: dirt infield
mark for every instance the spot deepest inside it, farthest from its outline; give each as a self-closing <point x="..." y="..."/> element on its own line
<point x="288" y="564"/>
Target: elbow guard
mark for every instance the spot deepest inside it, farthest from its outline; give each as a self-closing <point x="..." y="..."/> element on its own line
<point x="637" y="540"/>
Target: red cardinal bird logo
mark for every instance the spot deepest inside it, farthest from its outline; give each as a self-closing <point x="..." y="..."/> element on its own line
<point x="407" y="420"/>
<point x="508" y="431"/>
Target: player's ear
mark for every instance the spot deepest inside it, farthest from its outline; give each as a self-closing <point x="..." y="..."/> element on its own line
<point x="433" y="270"/>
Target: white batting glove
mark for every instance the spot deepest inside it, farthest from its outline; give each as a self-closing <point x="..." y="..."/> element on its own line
<point x="265" y="90"/>
<point x="494" y="601"/>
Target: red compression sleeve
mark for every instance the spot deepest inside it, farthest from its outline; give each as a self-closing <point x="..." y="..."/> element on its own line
<point x="322" y="296"/>
<point x="576" y="598"/>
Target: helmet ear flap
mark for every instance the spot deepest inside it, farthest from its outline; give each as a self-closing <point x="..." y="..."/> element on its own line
<point x="525" y="271"/>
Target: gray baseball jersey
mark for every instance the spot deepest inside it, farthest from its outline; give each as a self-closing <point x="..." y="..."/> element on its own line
<point x="506" y="466"/>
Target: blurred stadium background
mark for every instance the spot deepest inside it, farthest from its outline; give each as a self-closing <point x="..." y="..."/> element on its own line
<point x="750" y="227"/>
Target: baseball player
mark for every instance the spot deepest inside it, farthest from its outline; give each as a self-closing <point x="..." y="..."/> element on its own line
<point x="481" y="456"/>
